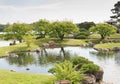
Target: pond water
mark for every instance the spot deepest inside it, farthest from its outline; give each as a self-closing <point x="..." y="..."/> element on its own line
<point x="41" y="62"/>
<point x="4" y="43"/>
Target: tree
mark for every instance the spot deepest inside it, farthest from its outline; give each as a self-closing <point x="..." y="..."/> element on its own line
<point x="103" y="29"/>
<point x="116" y="16"/>
<point x="2" y="27"/>
<point x="86" y="25"/>
<point x="116" y="11"/>
<point x="60" y="29"/>
<point x="17" y="31"/>
<point x="41" y="27"/>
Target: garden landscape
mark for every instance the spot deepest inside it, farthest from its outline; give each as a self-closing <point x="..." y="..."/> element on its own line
<point x="61" y="51"/>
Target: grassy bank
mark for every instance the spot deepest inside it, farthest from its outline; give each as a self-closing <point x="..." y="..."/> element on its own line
<point x="65" y="41"/>
<point x="21" y="46"/>
<point x="107" y="45"/>
<point x="97" y="36"/>
<point x="8" y="77"/>
<point x="35" y="44"/>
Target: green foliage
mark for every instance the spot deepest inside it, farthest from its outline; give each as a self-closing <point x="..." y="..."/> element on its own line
<point x="83" y="34"/>
<point x="80" y="61"/>
<point x="90" y="68"/>
<point x="59" y="29"/>
<point x="17" y="31"/>
<point x="2" y="27"/>
<point x="86" y="25"/>
<point x="41" y="27"/>
<point x="103" y="29"/>
<point x="95" y="41"/>
<point x="84" y="65"/>
<point x="28" y="39"/>
<point x="79" y="36"/>
<point x="116" y="11"/>
<point x="66" y="71"/>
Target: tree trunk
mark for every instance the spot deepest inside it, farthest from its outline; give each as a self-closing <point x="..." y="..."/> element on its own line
<point x="102" y="36"/>
<point x="61" y="36"/>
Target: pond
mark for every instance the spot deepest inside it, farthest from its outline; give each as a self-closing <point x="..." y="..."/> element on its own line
<point x="4" y="43"/>
<point x="41" y="62"/>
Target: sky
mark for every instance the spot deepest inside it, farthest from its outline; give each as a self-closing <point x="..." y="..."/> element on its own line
<point x="28" y="11"/>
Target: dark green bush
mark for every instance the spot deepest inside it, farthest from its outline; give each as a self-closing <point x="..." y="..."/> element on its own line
<point x="95" y="41"/>
<point x="90" y="68"/>
<point x="80" y="37"/>
<point x="79" y="61"/>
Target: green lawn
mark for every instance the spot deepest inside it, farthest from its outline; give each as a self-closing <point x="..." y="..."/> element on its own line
<point x="73" y="41"/>
<point x="21" y="46"/>
<point x="107" y="45"/>
<point x="97" y="36"/>
<point x="65" y="41"/>
<point x="8" y="77"/>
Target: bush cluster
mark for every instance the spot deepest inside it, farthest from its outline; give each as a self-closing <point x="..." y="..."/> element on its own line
<point x="74" y="69"/>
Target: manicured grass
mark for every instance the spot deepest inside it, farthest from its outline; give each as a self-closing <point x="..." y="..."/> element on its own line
<point x="97" y="36"/>
<point x="94" y="36"/>
<point x="65" y="41"/>
<point x="107" y="45"/>
<point x="73" y="41"/>
<point x="115" y="36"/>
<point x="21" y="46"/>
<point x="8" y="77"/>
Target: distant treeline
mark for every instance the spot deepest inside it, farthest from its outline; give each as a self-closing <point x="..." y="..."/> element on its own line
<point x="85" y="25"/>
<point x="3" y="26"/>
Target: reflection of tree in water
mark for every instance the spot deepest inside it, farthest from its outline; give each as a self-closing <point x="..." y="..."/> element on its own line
<point x="21" y="58"/>
<point x="42" y="58"/>
<point x="45" y="57"/>
<point x="117" y="58"/>
<point x="103" y="55"/>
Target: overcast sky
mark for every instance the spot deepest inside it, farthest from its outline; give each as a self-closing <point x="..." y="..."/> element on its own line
<point x="75" y="10"/>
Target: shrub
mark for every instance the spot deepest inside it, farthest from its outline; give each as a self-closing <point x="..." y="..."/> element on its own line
<point x="66" y="71"/>
<point x="82" y="35"/>
<point x="90" y="68"/>
<point x="79" y="61"/>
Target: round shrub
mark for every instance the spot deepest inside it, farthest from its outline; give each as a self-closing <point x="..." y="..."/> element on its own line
<point x="80" y="37"/>
<point x="79" y="61"/>
<point x="89" y="68"/>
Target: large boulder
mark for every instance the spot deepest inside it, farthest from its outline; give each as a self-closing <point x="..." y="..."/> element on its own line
<point x="63" y="82"/>
<point x="99" y="75"/>
<point x="52" y="44"/>
<point x="116" y="49"/>
<point x="89" y="79"/>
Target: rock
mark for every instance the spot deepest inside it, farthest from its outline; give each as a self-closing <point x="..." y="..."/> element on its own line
<point x="38" y="50"/>
<point x="91" y="44"/>
<point x="105" y="50"/>
<point x="52" y="44"/>
<point x="63" y="82"/>
<point x="27" y="68"/>
<point x="46" y="45"/>
<point x="116" y="49"/>
<point x="99" y="75"/>
<point x="89" y="79"/>
<point x="12" y="70"/>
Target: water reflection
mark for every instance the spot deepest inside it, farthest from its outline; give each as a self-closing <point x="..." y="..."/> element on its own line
<point x="38" y="58"/>
<point x="117" y="58"/>
<point x="103" y="55"/>
<point x="21" y="59"/>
